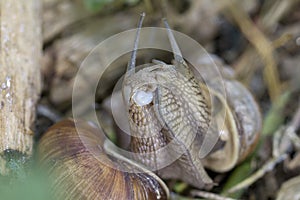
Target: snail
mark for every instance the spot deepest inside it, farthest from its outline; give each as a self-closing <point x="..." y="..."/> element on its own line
<point x="168" y="107"/>
<point x="170" y="111"/>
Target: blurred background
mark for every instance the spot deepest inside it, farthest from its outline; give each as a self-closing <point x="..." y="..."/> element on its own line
<point x="259" y="39"/>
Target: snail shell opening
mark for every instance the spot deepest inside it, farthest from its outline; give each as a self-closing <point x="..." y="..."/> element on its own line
<point x="242" y="126"/>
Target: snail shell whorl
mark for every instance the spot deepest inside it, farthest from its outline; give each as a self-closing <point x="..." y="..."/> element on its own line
<point x="243" y="125"/>
<point x="75" y="159"/>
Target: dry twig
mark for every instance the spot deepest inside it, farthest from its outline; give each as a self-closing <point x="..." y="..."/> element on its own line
<point x="21" y="47"/>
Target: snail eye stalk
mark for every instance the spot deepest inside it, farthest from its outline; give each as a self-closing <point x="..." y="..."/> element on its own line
<point x="131" y="63"/>
<point x="175" y="49"/>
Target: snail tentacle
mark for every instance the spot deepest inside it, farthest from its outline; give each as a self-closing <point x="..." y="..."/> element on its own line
<point x="131" y="63"/>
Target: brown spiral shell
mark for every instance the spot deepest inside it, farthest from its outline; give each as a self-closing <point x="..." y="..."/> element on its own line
<point x="75" y="157"/>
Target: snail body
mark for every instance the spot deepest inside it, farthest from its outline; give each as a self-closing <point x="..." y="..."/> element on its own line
<point x="169" y="122"/>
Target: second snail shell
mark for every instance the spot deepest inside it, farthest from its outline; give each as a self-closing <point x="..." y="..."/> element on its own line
<point x="74" y="157"/>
